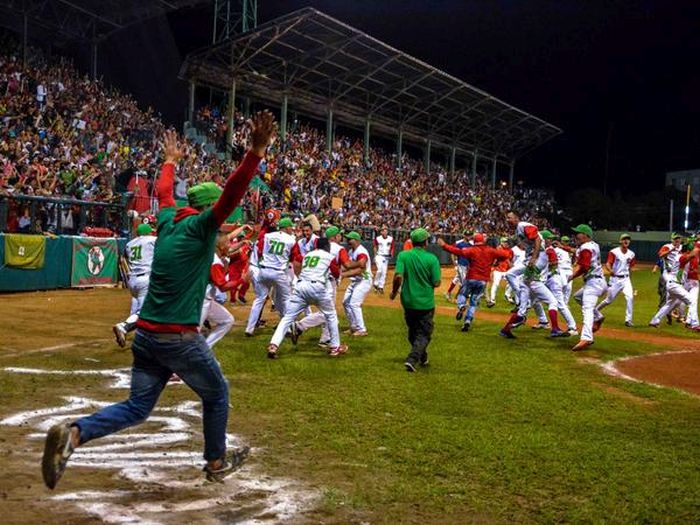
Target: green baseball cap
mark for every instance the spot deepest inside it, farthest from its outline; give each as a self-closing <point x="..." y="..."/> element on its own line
<point x="353" y="235"/>
<point x="565" y="238"/>
<point x="546" y="234"/>
<point x="203" y="194"/>
<point x="285" y="222"/>
<point x="504" y="239"/>
<point x="332" y="231"/>
<point x="583" y="228"/>
<point x="144" y="229"/>
<point x="676" y="236"/>
<point x="419" y="235"/>
<point x="625" y="236"/>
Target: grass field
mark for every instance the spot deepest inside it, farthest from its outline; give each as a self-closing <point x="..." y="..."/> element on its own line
<point x="493" y="431"/>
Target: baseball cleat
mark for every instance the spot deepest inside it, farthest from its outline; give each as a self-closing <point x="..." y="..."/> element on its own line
<point x="466" y="326"/>
<point x="248" y="334"/>
<point x="653" y="325"/>
<point x="410" y="367"/>
<point x="581" y="345"/>
<point x="629" y="324"/>
<point x="242" y="301"/>
<point x="519" y="321"/>
<point x="597" y="324"/>
<point x="338" y="350"/>
<point x="360" y="333"/>
<point x="559" y="333"/>
<point x="573" y="331"/>
<point x="507" y="334"/>
<point x="324" y="344"/>
<point x="349" y="331"/>
<point x="460" y="312"/>
<point x="57" y="450"/>
<point x="490" y="304"/>
<point x="424" y="361"/>
<point x="272" y="351"/>
<point x="669" y="320"/>
<point x="229" y="465"/>
<point x="120" y="334"/>
<point x="294" y="333"/>
<point x="539" y="326"/>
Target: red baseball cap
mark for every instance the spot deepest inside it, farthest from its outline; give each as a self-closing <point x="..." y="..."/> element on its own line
<point x="478" y="237"/>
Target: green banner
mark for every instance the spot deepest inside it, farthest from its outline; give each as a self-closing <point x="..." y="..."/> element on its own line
<point x="25" y="251"/>
<point x="94" y="261"/>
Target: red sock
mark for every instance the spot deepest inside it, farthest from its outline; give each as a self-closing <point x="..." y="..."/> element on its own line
<point x="553" y="320"/>
<point x="452" y="287"/>
<point x="243" y="289"/>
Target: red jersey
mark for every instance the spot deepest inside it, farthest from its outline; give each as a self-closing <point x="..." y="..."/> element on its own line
<point x="481" y="258"/>
<point x="692" y="263"/>
<point x="239" y="260"/>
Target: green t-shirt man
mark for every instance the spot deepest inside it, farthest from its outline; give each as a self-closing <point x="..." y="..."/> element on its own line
<point x="420" y="272"/>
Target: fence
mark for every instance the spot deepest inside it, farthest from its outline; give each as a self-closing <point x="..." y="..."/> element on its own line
<point x="27" y="214"/>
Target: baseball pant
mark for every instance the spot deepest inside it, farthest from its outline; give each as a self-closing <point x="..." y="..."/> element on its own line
<point x="420" y="330"/>
<point x="568" y="286"/>
<point x="352" y="303"/>
<point x="691" y="317"/>
<point x="138" y="287"/>
<point x="535" y="292"/>
<point x="514" y="278"/>
<point x="496" y="278"/>
<point x="617" y="285"/>
<point x="676" y="295"/>
<point x="220" y="317"/>
<point x="587" y="297"/>
<point x="156" y="357"/>
<point x="318" y="319"/>
<point x="305" y="294"/>
<point x="556" y="285"/>
<point x="382" y="263"/>
<point x="268" y="280"/>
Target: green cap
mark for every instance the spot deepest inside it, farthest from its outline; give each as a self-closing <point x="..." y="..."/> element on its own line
<point x="353" y="235"/>
<point x="504" y="239"/>
<point x="546" y="234"/>
<point x="583" y="228"/>
<point x="332" y="231"/>
<point x="676" y="236"/>
<point x="204" y="194"/>
<point x="625" y="236"/>
<point x="144" y="229"/>
<point x="419" y="235"/>
<point x="565" y="238"/>
<point x="285" y="222"/>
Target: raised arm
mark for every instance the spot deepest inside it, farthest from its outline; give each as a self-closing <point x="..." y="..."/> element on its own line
<point x="166" y="182"/>
<point x="262" y="129"/>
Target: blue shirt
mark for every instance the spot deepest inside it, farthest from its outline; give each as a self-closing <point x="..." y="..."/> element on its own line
<point x="463" y="261"/>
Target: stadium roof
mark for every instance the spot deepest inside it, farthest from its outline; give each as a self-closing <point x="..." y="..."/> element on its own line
<point x="84" y="20"/>
<point x="321" y="62"/>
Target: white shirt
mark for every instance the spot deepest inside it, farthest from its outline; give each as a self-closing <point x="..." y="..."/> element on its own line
<point x="384" y="245"/>
<point x="522" y="236"/>
<point x="306" y="246"/>
<point x="672" y="262"/>
<point x="564" y="261"/>
<point x="596" y="268"/>
<point x="354" y="256"/>
<point x="316" y="266"/>
<point x="140" y="253"/>
<point x="622" y="263"/>
<point x="277" y="248"/>
<point x="518" y="256"/>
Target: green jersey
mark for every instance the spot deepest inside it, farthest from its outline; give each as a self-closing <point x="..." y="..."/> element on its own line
<point x="420" y="270"/>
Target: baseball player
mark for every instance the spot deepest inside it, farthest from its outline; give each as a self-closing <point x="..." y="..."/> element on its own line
<point x="383" y="252"/>
<point x="481" y="259"/>
<point x="333" y="234"/>
<point x="689" y="268"/>
<point x="460" y="263"/>
<point x="513" y="282"/>
<point x="214" y="312"/>
<point x="564" y="264"/>
<point x="589" y="267"/>
<point x="499" y="272"/>
<point x="676" y="294"/>
<point x="360" y="284"/>
<point x="276" y="249"/>
<point x="139" y="251"/>
<point x="239" y="259"/>
<point x="313" y="288"/>
<point x="556" y="280"/>
<point x="619" y="265"/>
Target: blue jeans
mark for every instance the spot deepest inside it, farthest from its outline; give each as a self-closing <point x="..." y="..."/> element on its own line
<point x="156" y="357"/>
<point x="473" y="290"/>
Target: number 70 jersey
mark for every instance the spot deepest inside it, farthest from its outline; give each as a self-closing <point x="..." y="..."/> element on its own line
<point x="277" y="250"/>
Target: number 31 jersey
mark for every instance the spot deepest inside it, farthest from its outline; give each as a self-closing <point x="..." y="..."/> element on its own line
<point x="140" y="253"/>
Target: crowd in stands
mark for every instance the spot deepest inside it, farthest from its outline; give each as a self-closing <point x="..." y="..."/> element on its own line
<point x="67" y="136"/>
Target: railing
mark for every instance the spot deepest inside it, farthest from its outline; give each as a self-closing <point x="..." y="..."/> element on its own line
<point x="26" y="214"/>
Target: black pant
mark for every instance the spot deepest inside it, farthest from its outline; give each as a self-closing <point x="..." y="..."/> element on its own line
<point x="420" y="330"/>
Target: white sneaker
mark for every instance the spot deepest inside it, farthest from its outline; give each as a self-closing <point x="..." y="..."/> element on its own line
<point x="573" y="331"/>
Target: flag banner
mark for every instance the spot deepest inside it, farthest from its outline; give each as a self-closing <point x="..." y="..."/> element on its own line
<point x="95" y="262"/>
<point x="25" y="251"/>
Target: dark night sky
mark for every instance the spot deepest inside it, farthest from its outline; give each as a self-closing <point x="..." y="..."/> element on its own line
<point x="583" y="65"/>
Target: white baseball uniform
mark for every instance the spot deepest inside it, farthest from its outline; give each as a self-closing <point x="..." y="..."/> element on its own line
<point x="273" y="262"/>
<point x="313" y="288"/>
<point x="594" y="286"/>
<point x="556" y="283"/>
<point x="384" y="249"/>
<point x="621" y="263"/>
<point x="676" y="294"/>
<point x="689" y="266"/>
<point x="140" y="254"/>
<point x="213" y="311"/>
<point x="514" y="275"/>
<point x="566" y="270"/>
<point x="357" y="290"/>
